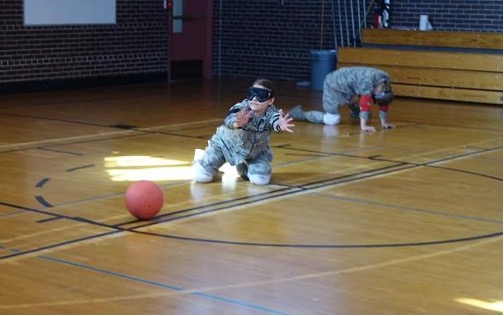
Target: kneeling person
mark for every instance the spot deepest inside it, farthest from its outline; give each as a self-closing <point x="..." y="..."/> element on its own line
<point x="244" y="138"/>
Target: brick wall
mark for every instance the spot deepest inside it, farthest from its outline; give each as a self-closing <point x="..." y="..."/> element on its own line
<point x="272" y="38"/>
<point x="136" y="45"/>
<point x="450" y="15"/>
<point x="268" y="39"/>
<point x="259" y="38"/>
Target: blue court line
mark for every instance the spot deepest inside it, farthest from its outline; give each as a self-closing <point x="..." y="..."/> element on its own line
<point x="165" y="286"/>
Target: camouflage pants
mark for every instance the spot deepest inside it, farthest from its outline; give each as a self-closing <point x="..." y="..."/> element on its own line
<point x="214" y="158"/>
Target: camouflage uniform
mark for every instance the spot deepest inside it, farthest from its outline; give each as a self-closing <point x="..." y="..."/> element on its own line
<point x="343" y="87"/>
<point x="246" y="147"/>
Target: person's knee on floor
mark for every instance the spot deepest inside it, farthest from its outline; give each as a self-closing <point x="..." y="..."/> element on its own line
<point x="201" y="174"/>
<point x="259" y="171"/>
<point x="332" y="119"/>
<point x="259" y="179"/>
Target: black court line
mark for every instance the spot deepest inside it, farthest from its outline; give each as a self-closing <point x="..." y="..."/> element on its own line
<point x="116" y="126"/>
<point x="409" y="208"/>
<point x="315" y="153"/>
<point x="55" y="218"/>
<point x="214" y="207"/>
<point x="474" y="128"/>
<point x="52" y="214"/>
<point x="42" y="182"/>
<point x="79" y="168"/>
<point x="100" y="97"/>
<point x="43" y="201"/>
<point x="60" y="151"/>
<point x="53" y="119"/>
<point x="467" y="172"/>
<point x="140" y="132"/>
<point x="319" y="246"/>
<point x="58" y="143"/>
<point x="444" y="159"/>
<point x="56" y="245"/>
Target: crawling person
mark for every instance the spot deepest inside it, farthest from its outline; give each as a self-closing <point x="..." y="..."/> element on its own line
<point x="355" y="87"/>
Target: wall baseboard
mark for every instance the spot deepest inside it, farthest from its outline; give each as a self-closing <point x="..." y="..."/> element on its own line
<point x="76" y="83"/>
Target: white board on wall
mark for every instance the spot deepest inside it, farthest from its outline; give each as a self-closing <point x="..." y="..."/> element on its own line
<point x="63" y="12"/>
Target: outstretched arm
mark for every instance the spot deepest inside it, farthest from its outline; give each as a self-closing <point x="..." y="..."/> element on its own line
<point x="365" y="105"/>
<point x="383" y="117"/>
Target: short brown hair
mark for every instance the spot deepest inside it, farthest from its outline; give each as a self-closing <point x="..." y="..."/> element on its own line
<point x="265" y="83"/>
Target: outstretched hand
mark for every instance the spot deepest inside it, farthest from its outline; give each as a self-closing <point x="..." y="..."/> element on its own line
<point x="285" y="121"/>
<point x="367" y="128"/>
<point x="242" y="118"/>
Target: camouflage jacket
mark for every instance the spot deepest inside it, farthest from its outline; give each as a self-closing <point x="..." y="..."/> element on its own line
<point x="249" y="141"/>
<point x="346" y="83"/>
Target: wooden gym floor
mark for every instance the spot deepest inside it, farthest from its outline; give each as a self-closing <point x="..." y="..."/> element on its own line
<point x="402" y="221"/>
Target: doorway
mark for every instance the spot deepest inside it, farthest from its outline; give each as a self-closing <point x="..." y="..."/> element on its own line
<point x="190" y="39"/>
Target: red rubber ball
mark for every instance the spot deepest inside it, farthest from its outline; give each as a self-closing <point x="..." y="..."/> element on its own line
<point x="143" y="199"/>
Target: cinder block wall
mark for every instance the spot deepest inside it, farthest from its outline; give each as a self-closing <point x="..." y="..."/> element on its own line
<point x="272" y="38"/>
<point x="450" y="15"/>
<point x="52" y="55"/>
<point x="262" y="38"/>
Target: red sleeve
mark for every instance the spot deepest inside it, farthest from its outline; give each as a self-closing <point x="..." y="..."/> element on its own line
<point x="383" y="108"/>
<point x="365" y="103"/>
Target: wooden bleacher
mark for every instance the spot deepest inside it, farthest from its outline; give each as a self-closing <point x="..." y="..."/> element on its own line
<point x="457" y="66"/>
